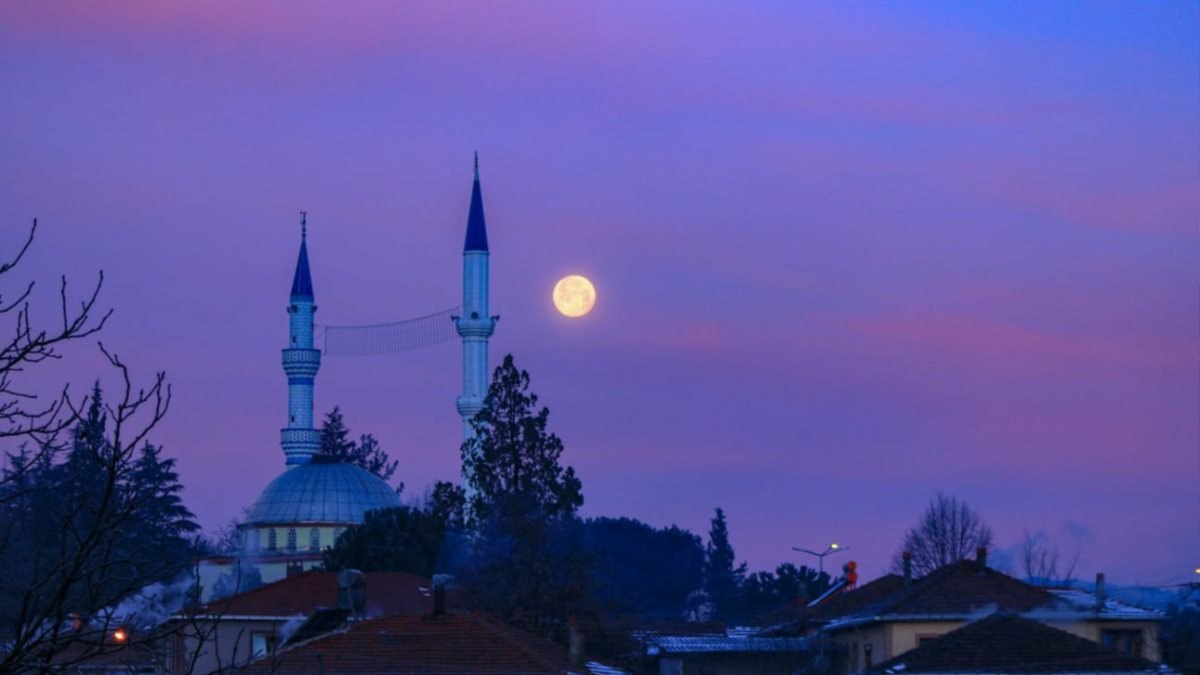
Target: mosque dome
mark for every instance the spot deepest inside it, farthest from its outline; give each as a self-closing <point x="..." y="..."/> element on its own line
<point x="322" y="492"/>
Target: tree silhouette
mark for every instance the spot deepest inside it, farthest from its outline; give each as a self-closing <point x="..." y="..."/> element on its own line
<point x="366" y="453"/>
<point x="722" y="576"/>
<point x="526" y="562"/>
<point x="512" y="459"/>
<point x="949" y="530"/>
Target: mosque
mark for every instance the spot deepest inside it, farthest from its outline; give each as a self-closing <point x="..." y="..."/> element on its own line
<point x="304" y="509"/>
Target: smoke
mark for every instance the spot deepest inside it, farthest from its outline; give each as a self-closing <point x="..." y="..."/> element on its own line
<point x="151" y="605"/>
<point x="982" y="612"/>
<point x="290" y="627"/>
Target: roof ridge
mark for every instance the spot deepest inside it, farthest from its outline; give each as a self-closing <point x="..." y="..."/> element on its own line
<point x="930" y="581"/>
<point x="952" y="642"/>
<point x="258" y="590"/>
<point x="515" y="637"/>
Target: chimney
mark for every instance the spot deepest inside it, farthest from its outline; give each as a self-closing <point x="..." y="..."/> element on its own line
<point x="575" y="652"/>
<point x="352" y="592"/>
<point x="1101" y="592"/>
<point x="981" y="557"/>
<point x="439" y="600"/>
<point x="907" y="568"/>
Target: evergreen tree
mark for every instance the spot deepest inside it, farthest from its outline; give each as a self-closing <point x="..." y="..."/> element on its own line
<point x="103" y="523"/>
<point x="164" y="524"/>
<point x="526" y="562"/>
<point x="639" y="570"/>
<point x="337" y="444"/>
<point x="512" y="459"/>
<point x="335" y="436"/>
<point x="401" y="539"/>
<point x="722" y="577"/>
<point x="448" y="503"/>
<point x="766" y="592"/>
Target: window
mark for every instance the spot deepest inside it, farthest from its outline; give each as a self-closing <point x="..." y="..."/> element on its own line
<point x="854" y="657"/>
<point x="262" y="644"/>
<point x="291" y="540"/>
<point x="926" y="638"/>
<point x="255" y="540"/>
<point x="1125" y="640"/>
<point x="271" y="544"/>
<point x="314" y="539"/>
<point x="867" y="660"/>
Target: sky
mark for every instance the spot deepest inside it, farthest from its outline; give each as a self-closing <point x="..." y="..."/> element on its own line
<point x="847" y="255"/>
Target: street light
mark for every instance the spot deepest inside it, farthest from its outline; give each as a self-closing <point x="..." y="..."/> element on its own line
<point x="833" y="548"/>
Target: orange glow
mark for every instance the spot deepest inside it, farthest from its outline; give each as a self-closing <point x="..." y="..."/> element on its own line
<point x="119" y="635"/>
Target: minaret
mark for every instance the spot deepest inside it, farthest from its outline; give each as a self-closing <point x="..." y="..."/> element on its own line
<point x="300" y="361"/>
<point x="475" y="326"/>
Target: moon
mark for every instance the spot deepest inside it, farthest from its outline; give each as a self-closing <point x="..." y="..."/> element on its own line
<point x="574" y="296"/>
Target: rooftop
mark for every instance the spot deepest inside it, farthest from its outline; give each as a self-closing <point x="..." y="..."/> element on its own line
<point x="303" y="594"/>
<point x="1005" y="643"/>
<point x="958" y="590"/>
<point x="451" y="643"/>
<point x="1081" y="600"/>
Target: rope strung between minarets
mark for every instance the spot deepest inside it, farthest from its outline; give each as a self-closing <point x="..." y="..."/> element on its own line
<point x="390" y="338"/>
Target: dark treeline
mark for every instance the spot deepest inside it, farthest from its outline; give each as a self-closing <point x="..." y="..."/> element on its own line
<point x="85" y="526"/>
<point x="515" y="546"/>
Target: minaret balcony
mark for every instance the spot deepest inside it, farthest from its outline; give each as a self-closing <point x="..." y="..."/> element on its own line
<point x="301" y="362"/>
<point x="469" y="405"/>
<point x="475" y="327"/>
<point x="300" y="439"/>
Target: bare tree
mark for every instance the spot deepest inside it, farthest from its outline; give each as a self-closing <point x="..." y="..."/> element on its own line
<point x="949" y="531"/>
<point x="1042" y="563"/>
<point x="22" y="416"/>
<point x="66" y="561"/>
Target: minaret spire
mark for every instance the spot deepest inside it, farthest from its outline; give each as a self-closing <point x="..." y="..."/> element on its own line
<point x="301" y="361"/>
<point x="475" y="326"/>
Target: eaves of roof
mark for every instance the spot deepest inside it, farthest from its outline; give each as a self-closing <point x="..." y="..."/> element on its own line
<point x="1037" y="615"/>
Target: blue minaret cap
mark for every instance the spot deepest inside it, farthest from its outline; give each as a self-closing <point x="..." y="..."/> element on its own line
<point x="476" y="229"/>
<point x="302" y="283"/>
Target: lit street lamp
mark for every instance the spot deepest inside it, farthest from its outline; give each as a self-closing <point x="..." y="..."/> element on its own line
<point x="833" y="548"/>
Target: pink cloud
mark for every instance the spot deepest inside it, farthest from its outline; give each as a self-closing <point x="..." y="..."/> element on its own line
<point x="1007" y="344"/>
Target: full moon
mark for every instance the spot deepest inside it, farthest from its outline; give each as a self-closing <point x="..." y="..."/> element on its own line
<point x="574" y="296"/>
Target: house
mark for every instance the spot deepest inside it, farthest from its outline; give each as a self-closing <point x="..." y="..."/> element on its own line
<point x="731" y="653"/>
<point x="893" y="615"/>
<point x="232" y="631"/>
<point x="454" y="642"/>
<point x="1004" y="643"/>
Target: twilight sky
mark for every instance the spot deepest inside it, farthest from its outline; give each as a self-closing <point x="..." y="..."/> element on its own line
<point x="847" y="255"/>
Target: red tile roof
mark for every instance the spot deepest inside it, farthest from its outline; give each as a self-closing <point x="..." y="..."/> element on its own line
<point x="387" y="592"/>
<point x="1005" y="643"/>
<point x="452" y="643"/>
<point x="956" y="590"/>
<point x="961" y="588"/>
<point x="799" y="619"/>
<point x="848" y="602"/>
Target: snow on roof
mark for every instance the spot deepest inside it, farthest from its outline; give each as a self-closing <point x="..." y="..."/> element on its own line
<point x="600" y="669"/>
<point x="720" y="644"/>
<point x="1081" y="600"/>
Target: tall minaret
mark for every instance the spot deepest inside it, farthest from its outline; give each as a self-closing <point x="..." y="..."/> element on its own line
<point x="300" y="361"/>
<point x="475" y="326"/>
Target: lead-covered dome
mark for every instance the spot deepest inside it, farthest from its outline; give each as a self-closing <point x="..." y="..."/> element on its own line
<point x="322" y="492"/>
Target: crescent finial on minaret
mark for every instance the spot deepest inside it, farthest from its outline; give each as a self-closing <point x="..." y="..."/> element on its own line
<point x="304" y="224"/>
